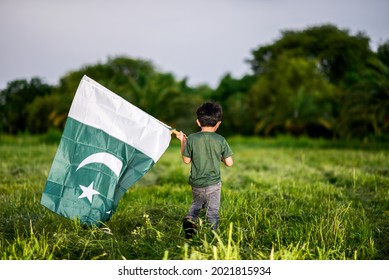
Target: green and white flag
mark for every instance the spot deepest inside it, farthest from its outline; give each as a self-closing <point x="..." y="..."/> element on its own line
<point x="106" y="146"/>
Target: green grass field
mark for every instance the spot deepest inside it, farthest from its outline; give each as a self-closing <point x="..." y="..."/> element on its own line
<point x="283" y="199"/>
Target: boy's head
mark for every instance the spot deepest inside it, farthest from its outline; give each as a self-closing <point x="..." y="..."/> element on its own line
<point x="209" y="114"/>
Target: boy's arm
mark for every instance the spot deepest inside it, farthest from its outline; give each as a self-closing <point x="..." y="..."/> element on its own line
<point x="227" y="152"/>
<point x="228" y="161"/>
<point x="182" y="137"/>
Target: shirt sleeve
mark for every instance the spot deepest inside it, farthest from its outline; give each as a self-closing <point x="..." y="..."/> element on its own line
<point x="227" y="151"/>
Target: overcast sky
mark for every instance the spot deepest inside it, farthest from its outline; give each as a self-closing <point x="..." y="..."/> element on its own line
<point x="198" y="39"/>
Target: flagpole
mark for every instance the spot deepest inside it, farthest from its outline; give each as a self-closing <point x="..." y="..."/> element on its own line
<point x="175" y="132"/>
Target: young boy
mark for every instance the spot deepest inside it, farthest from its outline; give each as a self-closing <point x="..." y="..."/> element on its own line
<point x="205" y="150"/>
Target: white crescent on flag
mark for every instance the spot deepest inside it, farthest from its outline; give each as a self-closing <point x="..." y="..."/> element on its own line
<point x="107" y="159"/>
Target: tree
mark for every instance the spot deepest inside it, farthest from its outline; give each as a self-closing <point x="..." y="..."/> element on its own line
<point x="232" y="95"/>
<point x="383" y="53"/>
<point x="348" y="99"/>
<point x="365" y="109"/>
<point x="14" y="102"/>
<point x="47" y="112"/>
<point x="292" y="97"/>
<point x="340" y="56"/>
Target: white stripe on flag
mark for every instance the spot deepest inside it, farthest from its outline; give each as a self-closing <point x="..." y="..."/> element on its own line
<point x="97" y="106"/>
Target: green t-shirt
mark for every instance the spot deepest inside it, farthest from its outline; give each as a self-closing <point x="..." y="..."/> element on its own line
<point x="206" y="149"/>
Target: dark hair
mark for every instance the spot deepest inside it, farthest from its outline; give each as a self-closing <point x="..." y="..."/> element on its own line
<point x="209" y="113"/>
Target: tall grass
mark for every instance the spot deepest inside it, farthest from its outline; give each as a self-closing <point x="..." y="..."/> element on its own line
<point x="298" y="199"/>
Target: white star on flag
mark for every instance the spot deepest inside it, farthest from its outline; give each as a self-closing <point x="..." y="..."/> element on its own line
<point x="88" y="192"/>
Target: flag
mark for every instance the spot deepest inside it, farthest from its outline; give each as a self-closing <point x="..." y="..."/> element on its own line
<point x="106" y="146"/>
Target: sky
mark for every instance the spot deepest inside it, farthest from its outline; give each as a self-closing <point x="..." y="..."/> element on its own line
<point x="201" y="40"/>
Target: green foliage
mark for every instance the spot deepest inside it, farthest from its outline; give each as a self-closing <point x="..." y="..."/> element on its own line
<point x="14" y="101"/>
<point x="366" y="107"/>
<point x="232" y="95"/>
<point x="47" y="112"/>
<point x="383" y="53"/>
<point x="339" y="53"/>
<point x="292" y="98"/>
<point x="320" y="81"/>
<point x="289" y="199"/>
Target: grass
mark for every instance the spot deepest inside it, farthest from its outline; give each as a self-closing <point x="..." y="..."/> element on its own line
<point x="294" y="199"/>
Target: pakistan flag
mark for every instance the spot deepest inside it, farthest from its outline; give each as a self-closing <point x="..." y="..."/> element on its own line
<point x="106" y="146"/>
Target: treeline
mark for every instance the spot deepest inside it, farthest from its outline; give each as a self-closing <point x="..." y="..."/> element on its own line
<point x="320" y="82"/>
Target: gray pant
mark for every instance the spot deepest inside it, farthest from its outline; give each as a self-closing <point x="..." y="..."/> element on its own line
<point x="207" y="198"/>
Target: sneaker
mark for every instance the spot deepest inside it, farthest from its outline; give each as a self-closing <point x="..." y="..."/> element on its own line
<point x="189" y="227"/>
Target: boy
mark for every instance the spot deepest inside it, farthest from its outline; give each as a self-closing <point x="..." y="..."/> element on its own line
<point x="204" y="150"/>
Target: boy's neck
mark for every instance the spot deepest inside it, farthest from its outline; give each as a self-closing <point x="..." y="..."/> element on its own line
<point x="208" y="129"/>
